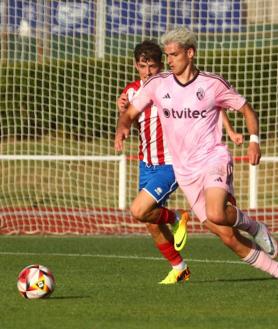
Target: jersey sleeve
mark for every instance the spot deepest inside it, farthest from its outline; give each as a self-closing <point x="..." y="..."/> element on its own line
<point x="143" y="98"/>
<point x="227" y="97"/>
<point x="131" y="89"/>
<point x="130" y="93"/>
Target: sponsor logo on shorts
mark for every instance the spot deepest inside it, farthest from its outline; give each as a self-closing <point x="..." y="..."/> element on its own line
<point x="158" y="190"/>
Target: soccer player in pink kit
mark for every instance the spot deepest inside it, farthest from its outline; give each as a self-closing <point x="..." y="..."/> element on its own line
<point x="156" y="175"/>
<point x="189" y="103"/>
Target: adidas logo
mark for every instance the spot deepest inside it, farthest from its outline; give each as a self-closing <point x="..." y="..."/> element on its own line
<point x="219" y="179"/>
<point x="167" y="96"/>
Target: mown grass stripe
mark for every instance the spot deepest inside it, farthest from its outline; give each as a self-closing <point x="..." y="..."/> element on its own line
<point x="11" y="253"/>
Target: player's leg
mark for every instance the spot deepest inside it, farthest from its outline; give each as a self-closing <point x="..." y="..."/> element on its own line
<point x="217" y="181"/>
<point x="244" y="248"/>
<point x="215" y="206"/>
<point x="146" y="208"/>
<point x="159" y="182"/>
<point x="219" y="213"/>
<point x="256" y="229"/>
<point x="231" y="237"/>
<point x="156" y="183"/>
<point x="164" y="242"/>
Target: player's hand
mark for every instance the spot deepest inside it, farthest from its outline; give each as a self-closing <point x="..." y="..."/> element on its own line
<point x="121" y="135"/>
<point x="237" y="138"/>
<point x="254" y="153"/>
<point x="122" y="103"/>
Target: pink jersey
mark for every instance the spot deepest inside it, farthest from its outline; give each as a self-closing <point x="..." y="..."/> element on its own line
<point x="189" y="114"/>
<point x="152" y="149"/>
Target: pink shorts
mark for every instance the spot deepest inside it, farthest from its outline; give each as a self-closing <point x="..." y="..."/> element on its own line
<point x="216" y="175"/>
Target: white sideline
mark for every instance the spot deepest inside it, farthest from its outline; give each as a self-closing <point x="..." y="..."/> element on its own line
<point x="4" y="253"/>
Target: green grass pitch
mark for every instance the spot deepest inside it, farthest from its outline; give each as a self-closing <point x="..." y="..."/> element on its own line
<point x="111" y="283"/>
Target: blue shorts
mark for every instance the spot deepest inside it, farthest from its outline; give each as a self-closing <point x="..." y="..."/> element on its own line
<point x="158" y="180"/>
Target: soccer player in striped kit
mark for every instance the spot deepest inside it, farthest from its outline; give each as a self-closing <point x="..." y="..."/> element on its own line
<point x="156" y="179"/>
<point x="189" y="103"/>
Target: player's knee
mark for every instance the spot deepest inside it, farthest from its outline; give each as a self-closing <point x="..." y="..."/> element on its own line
<point x="137" y="212"/>
<point x="228" y="237"/>
<point x="216" y="216"/>
<point x="228" y="240"/>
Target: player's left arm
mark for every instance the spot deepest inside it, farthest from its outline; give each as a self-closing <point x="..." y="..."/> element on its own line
<point x="252" y="123"/>
<point x="236" y="137"/>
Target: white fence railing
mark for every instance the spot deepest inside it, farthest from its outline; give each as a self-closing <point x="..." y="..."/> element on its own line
<point x="122" y="189"/>
<point x="120" y="158"/>
<point x="253" y="181"/>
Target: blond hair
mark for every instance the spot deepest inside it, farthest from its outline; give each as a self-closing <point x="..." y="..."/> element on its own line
<point x="180" y="35"/>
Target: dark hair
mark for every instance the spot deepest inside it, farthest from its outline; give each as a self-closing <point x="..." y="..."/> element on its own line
<point x="149" y="50"/>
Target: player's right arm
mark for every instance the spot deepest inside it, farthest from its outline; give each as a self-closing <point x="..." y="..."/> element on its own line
<point x="123" y="127"/>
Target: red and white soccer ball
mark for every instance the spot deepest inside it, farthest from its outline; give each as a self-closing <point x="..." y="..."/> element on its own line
<point x="35" y="281"/>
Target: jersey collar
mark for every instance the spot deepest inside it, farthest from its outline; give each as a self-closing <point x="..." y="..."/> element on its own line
<point x="188" y="82"/>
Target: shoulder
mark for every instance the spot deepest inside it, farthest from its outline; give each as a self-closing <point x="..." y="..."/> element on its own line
<point x="135" y="85"/>
<point x="216" y="78"/>
<point x="158" y="77"/>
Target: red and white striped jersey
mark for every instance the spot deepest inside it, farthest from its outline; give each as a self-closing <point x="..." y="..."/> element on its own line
<point x="152" y="149"/>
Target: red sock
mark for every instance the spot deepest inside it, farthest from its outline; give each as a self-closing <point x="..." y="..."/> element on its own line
<point x="166" y="217"/>
<point x="168" y="251"/>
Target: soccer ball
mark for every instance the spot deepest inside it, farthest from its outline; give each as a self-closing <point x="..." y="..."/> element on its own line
<point x="35" y="281"/>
